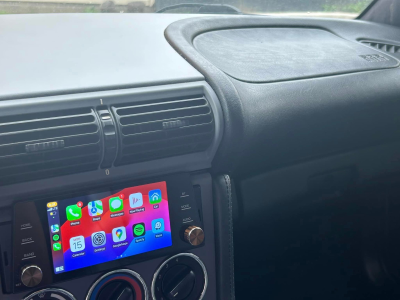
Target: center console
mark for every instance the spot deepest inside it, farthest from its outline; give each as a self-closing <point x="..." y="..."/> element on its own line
<point x="143" y="239"/>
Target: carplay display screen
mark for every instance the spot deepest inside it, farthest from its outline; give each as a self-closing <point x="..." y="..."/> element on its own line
<point x="98" y="228"/>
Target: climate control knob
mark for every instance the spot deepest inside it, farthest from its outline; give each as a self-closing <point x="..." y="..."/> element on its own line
<point x="51" y="294"/>
<point x="119" y="284"/>
<point x="181" y="277"/>
<point x="194" y="235"/>
<point x="31" y="276"/>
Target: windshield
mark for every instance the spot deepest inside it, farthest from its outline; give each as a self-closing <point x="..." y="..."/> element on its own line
<point x="312" y="8"/>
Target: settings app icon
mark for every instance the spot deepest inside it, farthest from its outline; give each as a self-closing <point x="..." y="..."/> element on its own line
<point x="98" y="239"/>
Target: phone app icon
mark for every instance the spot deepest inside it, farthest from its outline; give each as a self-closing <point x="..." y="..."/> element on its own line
<point x="116" y="204"/>
<point x="56" y="247"/>
<point x="77" y="243"/>
<point x="55" y="228"/>
<point x="155" y="196"/>
<point x="136" y="200"/>
<point x="98" y="239"/>
<point x="157" y="225"/>
<point x="74" y="212"/>
<point x="138" y="229"/>
<point x="56" y="237"/>
<point x="119" y="234"/>
<point x="95" y="208"/>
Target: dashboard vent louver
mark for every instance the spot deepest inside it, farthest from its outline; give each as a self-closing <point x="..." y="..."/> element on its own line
<point x="163" y="128"/>
<point x="382" y="46"/>
<point x="48" y="144"/>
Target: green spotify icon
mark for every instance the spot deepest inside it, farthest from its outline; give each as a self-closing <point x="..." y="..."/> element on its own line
<point x="138" y="229"/>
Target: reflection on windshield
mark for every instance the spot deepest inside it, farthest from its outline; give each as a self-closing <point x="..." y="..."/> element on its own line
<point x="318" y="8"/>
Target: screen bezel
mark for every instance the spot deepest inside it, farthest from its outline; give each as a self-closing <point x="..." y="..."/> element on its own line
<point x="178" y="245"/>
<point x="106" y="194"/>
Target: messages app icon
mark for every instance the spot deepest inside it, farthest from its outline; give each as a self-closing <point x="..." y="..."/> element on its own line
<point x="116" y="204"/>
<point x="74" y="212"/>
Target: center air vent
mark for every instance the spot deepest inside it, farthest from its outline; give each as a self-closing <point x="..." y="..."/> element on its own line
<point x="48" y="144"/>
<point x="383" y="46"/>
<point x="163" y="128"/>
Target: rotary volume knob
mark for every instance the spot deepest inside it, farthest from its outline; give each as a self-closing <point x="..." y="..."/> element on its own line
<point x="31" y="276"/>
<point x="194" y="235"/>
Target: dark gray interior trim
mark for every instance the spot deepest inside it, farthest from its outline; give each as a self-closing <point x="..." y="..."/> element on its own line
<point x="280" y="185"/>
<point x="287" y="122"/>
<point x="223" y="201"/>
<point x="263" y="55"/>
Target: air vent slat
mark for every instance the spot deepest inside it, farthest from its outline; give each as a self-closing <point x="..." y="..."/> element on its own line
<point x="163" y="128"/>
<point x="168" y="134"/>
<point x="69" y="141"/>
<point x="140" y="109"/>
<point x="48" y="133"/>
<point x="36" y="158"/>
<point x="31" y="125"/>
<point x="162" y="115"/>
<point x="32" y="144"/>
<point x="158" y="125"/>
<point x="45" y="115"/>
<point x="389" y="48"/>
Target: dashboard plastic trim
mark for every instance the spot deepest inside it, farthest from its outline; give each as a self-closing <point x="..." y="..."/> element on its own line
<point x="183" y="163"/>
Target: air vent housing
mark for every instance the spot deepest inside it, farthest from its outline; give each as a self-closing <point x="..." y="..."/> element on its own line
<point x="47" y="144"/>
<point x="389" y="48"/>
<point x="163" y="128"/>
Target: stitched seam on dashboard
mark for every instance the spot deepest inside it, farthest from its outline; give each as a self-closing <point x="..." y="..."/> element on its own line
<point x="231" y="261"/>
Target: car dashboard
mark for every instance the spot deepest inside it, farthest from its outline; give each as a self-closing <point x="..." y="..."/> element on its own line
<point x="138" y="153"/>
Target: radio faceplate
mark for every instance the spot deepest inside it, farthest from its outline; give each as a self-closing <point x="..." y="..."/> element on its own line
<point x="32" y="245"/>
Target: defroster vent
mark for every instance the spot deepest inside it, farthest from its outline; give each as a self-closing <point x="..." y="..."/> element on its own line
<point x="39" y="145"/>
<point x="389" y="48"/>
<point x="164" y="128"/>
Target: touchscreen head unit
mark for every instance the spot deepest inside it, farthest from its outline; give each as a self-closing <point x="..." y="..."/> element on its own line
<point x="98" y="228"/>
<point x="78" y="232"/>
